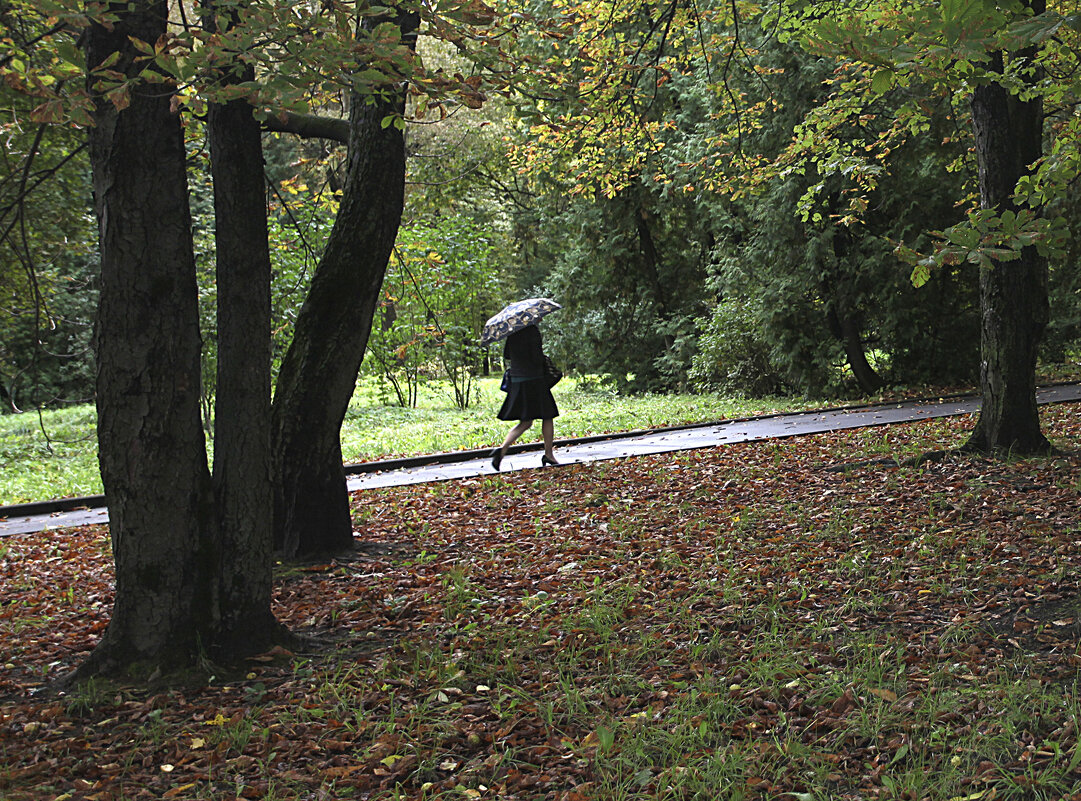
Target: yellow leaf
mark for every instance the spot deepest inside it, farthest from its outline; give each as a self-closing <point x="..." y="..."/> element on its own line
<point x="219" y="720"/>
<point x="197" y="743"/>
<point x="390" y="760"/>
<point x="167" y="768"/>
<point x="178" y="790"/>
<point x="885" y="695"/>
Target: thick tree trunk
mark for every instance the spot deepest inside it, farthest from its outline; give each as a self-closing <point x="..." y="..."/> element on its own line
<point x="151" y="448"/>
<point x="192" y="555"/>
<point x="1013" y="295"/>
<point x="242" y="479"/>
<point x="651" y="260"/>
<point x="319" y="371"/>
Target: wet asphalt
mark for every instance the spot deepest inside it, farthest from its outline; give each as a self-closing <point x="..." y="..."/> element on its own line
<point x="65" y="513"/>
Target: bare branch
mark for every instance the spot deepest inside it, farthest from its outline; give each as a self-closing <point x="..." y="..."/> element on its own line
<point x="309" y="126"/>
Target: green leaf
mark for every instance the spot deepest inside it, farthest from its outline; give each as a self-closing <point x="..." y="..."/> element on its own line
<point x="67" y="51"/>
<point x="1075" y="759"/>
<point x="141" y="46"/>
<point x="1035" y="29"/>
<point x="1001" y="254"/>
<point x="109" y="60"/>
<point x="921" y="273"/>
<point x="882" y="81"/>
<point x="963" y="235"/>
<point x="901" y="753"/>
<point x="120" y="97"/>
<point x="51" y="111"/>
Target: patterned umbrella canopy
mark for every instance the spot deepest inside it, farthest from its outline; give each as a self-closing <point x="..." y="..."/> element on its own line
<point x="515" y="317"/>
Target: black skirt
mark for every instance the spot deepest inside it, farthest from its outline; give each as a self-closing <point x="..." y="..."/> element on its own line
<point x="529" y="400"/>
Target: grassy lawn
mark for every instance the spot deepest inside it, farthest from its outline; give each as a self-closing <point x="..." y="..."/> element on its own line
<point x="54" y="455"/>
<point x="732" y="623"/>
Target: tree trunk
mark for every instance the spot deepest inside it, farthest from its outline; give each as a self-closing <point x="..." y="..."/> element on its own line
<point x="151" y="448"/>
<point x="192" y="554"/>
<point x="843" y="321"/>
<point x="1013" y="295"/>
<point x="242" y="480"/>
<point x="846" y="328"/>
<point x="319" y="371"/>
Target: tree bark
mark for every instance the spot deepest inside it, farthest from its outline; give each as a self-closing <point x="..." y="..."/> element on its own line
<point x="1013" y="295"/>
<point x="242" y="477"/>
<point x="319" y="371"/>
<point x="151" y="448"/>
<point x="192" y="553"/>
<point x="309" y="126"/>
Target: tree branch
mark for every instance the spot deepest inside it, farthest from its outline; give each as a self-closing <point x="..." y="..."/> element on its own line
<point x="309" y="126"/>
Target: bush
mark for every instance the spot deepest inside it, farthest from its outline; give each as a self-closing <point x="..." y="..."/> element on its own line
<point x="732" y="354"/>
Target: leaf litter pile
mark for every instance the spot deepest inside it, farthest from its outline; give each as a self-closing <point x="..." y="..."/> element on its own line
<point x="781" y="620"/>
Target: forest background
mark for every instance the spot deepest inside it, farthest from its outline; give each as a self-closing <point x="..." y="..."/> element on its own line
<point x="719" y="214"/>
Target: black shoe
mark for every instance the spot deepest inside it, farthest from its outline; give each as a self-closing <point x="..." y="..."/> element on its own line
<point x="497" y="457"/>
<point x="547" y="460"/>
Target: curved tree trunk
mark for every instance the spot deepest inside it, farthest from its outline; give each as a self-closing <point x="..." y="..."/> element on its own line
<point x="319" y="371"/>
<point x="1013" y="295"/>
<point x="151" y="448"/>
<point x="847" y="329"/>
<point x="843" y="320"/>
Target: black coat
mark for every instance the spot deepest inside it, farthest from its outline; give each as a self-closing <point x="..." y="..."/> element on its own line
<point x="528" y="395"/>
<point x="524" y="354"/>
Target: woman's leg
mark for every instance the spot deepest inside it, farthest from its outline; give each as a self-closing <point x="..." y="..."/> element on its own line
<point x="522" y="427"/>
<point x="498" y="453"/>
<point x="548" y="431"/>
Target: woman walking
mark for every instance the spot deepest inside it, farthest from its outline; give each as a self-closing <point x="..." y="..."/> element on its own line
<point x="529" y="396"/>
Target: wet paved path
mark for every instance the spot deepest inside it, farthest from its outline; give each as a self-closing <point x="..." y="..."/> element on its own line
<point x="29" y="518"/>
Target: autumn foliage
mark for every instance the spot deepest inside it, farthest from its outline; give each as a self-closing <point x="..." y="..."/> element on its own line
<point x="790" y="619"/>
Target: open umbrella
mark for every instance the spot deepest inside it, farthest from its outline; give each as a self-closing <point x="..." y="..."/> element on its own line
<point x="515" y="317"/>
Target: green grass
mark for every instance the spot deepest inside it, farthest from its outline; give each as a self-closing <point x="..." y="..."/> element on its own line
<point x="55" y="456"/>
<point x="646" y="728"/>
<point x="373" y="430"/>
<point x="48" y="456"/>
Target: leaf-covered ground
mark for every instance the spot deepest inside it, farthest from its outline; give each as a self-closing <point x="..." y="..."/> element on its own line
<point x="755" y="621"/>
